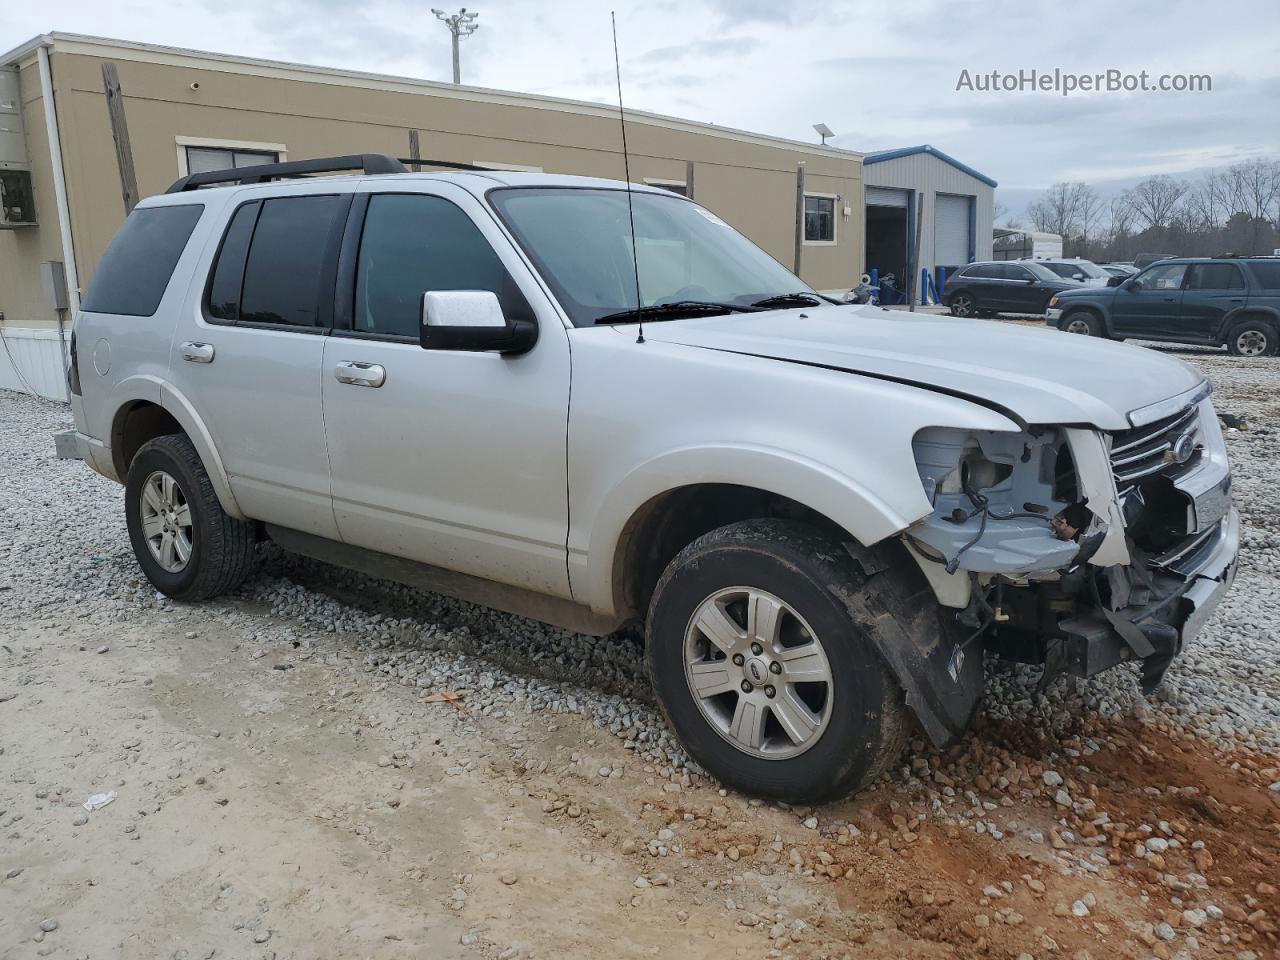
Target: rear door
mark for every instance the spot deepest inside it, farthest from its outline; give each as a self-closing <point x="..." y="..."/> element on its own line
<point x="248" y="354"/>
<point x="1149" y="303"/>
<point x="1211" y="291"/>
<point x="978" y="279"/>
<point x="449" y="458"/>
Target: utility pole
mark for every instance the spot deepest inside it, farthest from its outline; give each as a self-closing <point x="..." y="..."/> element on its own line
<point x="461" y="25"/>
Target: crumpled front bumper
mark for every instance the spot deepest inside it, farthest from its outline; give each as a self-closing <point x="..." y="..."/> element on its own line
<point x="1158" y="631"/>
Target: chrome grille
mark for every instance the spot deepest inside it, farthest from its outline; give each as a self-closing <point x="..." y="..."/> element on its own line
<point x="1149" y="450"/>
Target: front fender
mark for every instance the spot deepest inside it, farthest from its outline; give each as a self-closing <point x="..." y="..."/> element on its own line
<point x="184" y="412"/>
<point x="866" y="516"/>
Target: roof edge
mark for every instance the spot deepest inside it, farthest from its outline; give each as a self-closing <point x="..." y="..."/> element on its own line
<point x="22" y="50"/>
<point x="56" y="38"/>
<point x="881" y="156"/>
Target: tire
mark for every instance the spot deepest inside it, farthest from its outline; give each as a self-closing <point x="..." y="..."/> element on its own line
<point x="961" y="305"/>
<point x="857" y="722"/>
<point x="166" y="484"/>
<point x="1253" y="338"/>
<point x="1084" y="322"/>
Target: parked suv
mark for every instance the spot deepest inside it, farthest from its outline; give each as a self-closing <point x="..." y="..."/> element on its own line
<point x="822" y="514"/>
<point x="1231" y="302"/>
<point x="1002" y="286"/>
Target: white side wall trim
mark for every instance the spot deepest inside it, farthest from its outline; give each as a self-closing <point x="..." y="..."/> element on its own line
<point x="30" y="362"/>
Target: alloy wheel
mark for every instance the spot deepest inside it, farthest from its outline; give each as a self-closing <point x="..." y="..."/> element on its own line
<point x="758" y="673"/>
<point x="1079" y="325"/>
<point x="1251" y="343"/>
<point x="962" y="306"/>
<point x="166" y="521"/>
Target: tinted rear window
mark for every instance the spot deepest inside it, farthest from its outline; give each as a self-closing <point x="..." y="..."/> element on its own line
<point x="1267" y="274"/>
<point x="228" y="272"/>
<point x="979" y="271"/>
<point x="287" y="260"/>
<point x="136" y="268"/>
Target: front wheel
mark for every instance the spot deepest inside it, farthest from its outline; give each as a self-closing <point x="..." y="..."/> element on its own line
<point x="761" y="669"/>
<point x="186" y="544"/>
<point x="1082" y="322"/>
<point x="962" y="305"/>
<point x="1252" y="338"/>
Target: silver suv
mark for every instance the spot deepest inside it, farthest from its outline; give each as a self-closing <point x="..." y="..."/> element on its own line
<point x="494" y="386"/>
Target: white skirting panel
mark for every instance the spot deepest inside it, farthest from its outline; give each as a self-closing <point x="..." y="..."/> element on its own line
<point x="31" y="361"/>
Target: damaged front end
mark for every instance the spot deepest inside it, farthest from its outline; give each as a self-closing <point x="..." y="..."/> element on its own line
<point x="1079" y="549"/>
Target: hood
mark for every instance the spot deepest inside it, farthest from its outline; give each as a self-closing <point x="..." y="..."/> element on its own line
<point x="1039" y="375"/>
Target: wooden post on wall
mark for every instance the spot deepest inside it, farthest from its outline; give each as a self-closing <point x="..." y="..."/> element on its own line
<point x="415" y="151"/>
<point x="799" y="215"/>
<point x="688" y="179"/>
<point x="120" y="134"/>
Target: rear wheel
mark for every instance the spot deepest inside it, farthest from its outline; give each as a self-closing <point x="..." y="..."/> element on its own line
<point x="1252" y="338"/>
<point x="962" y="305"/>
<point x="761" y="669"/>
<point x="1083" y="322"/>
<point x="186" y="544"/>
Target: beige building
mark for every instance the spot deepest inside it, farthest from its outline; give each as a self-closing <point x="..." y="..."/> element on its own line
<point x="64" y="170"/>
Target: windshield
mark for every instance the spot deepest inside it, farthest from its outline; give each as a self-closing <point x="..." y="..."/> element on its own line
<point x="580" y="240"/>
<point x="1088" y="268"/>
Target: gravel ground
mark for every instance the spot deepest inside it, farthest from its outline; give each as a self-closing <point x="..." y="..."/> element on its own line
<point x="1085" y="782"/>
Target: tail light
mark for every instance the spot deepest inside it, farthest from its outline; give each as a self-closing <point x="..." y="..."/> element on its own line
<point x="73" y="368"/>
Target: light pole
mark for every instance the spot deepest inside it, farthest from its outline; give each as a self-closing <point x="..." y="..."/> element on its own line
<point x="461" y="25"/>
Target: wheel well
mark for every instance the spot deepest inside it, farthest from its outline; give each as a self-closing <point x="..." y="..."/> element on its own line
<point x="671" y="521"/>
<point x="134" y="425"/>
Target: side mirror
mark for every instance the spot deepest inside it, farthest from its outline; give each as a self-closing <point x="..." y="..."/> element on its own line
<point x="1077" y="276"/>
<point x="1133" y="285"/>
<point x="1115" y="281"/>
<point x="1029" y="280"/>
<point x="472" y="320"/>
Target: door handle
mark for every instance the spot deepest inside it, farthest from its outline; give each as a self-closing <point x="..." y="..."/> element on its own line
<point x="194" y="352"/>
<point x="360" y="374"/>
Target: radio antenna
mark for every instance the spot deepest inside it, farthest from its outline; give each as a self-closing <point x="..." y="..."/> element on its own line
<point x="626" y="167"/>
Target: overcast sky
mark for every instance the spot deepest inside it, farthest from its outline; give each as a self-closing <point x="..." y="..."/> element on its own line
<point x="881" y="74"/>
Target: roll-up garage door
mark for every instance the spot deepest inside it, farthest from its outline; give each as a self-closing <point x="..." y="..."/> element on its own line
<point x="950" y="230"/>
<point x="885" y="197"/>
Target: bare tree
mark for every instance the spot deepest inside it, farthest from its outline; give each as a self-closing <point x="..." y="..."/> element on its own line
<point x="1155" y="200"/>
<point x="1253" y="189"/>
<point x="1057" y="210"/>
<point x="1088" y="212"/>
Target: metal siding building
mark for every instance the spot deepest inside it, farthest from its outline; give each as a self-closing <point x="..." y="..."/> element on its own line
<point x="958" y="209"/>
<point x="185" y="107"/>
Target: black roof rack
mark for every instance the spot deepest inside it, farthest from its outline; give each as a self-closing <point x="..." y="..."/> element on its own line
<point x="369" y="163"/>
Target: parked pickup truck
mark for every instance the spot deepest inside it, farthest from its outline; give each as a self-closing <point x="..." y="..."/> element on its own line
<point x="822" y="515"/>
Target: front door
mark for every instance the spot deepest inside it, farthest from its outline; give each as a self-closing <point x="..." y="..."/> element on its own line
<point x="248" y="353"/>
<point x="449" y="458"/>
<point x="1211" y="291"/>
<point x="1149" y="303"/>
<point x="1019" y="292"/>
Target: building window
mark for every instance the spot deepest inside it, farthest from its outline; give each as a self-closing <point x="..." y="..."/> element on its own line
<point x="675" y="186"/>
<point x="819" y="218"/>
<point x="202" y="154"/>
<point x="205" y="159"/>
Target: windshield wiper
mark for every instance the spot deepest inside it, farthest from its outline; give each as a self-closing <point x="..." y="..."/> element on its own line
<point x="791" y="300"/>
<point x="675" y="310"/>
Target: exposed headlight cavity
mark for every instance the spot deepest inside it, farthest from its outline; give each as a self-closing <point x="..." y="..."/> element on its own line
<point x="994" y="496"/>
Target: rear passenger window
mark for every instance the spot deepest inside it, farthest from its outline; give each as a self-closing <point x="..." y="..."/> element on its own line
<point x="1215" y="276"/>
<point x="981" y="271"/>
<point x="228" y="273"/>
<point x="287" y="258"/>
<point x="1011" y="271"/>
<point x="1267" y="274"/>
<point x="412" y="244"/>
<point x="135" y="270"/>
